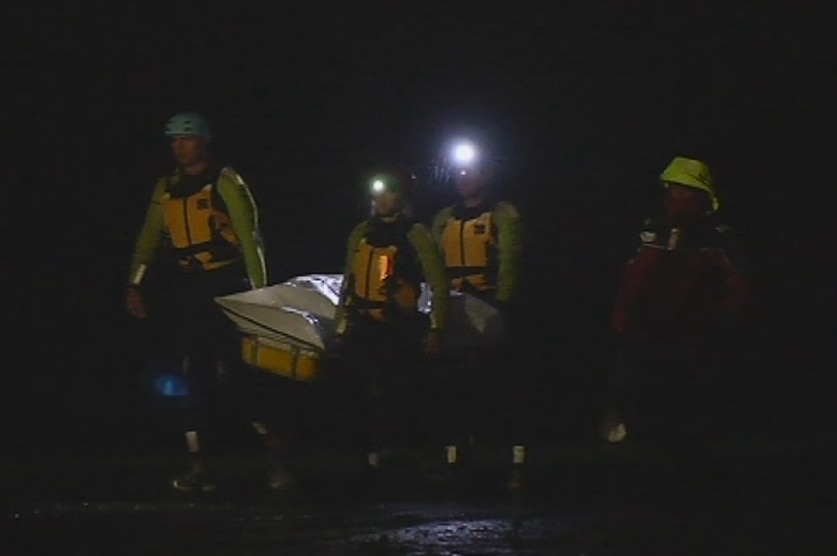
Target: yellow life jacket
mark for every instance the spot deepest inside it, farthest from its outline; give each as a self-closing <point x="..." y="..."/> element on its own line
<point x="199" y="230"/>
<point x="378" y="287"/>
<point x="469" y="247"/>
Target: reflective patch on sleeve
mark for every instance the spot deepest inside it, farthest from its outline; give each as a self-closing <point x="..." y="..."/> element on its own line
<point x="136" y="279"/>
<point x="192" y="442"/>
<point x="648" y="237"/>
<point x="228" y="172"/>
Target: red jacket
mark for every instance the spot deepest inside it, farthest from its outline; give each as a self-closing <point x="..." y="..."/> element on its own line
<point x="680" y="281"/>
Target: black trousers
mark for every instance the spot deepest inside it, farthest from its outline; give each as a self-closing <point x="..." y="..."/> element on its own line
<point x="479" y="395"/>
<point x="375" y="377"/>
<point x="225" y="395"/>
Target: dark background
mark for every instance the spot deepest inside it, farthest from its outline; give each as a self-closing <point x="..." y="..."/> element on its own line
<point x="583" y="106"/>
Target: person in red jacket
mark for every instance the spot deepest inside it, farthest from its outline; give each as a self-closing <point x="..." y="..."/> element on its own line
<point x="681" y="295"/>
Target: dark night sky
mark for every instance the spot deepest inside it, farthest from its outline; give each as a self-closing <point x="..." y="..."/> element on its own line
<point x="584" y="105"/>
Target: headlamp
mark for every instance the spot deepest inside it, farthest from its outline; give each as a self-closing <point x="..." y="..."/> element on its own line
<point x="378" y="186"/>
<point x="464" y="154"/>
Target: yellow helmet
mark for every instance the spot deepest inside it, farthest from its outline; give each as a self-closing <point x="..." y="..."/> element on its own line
<point x="691" y="173"/>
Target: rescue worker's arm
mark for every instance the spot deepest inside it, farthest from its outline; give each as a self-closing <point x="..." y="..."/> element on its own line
<point x="646" y="254"/>
<point x="244" y="220"/>
<point x="438" y="227"/>
<point x="507" y="221"/>
<point x="434" y="274"/>
<point x="734" y="269"/>
<point x="149" y="236"/>
<point x="633" y="278"/>
<point x="342" y="315"/>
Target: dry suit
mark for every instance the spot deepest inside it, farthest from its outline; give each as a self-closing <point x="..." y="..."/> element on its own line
<point x="382" y="329"/>
<point x="678" y="313"/>
<point x="200" y="240"/>
<point x="481" y="247"/>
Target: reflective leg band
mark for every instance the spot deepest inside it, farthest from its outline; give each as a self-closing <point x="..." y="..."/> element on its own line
<point x="518" y="454"/>
<point x="192" y="442"/>
<point x="450" y="453"/>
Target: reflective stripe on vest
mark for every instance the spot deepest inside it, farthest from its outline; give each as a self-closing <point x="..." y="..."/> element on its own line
<point x="199" y="232"/>
<point x="468" y="247"/>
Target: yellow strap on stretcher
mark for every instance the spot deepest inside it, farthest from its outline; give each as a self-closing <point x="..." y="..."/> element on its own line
<point x="281" y="358"/>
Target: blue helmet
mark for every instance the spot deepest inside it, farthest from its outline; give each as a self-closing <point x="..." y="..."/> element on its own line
<point x="188" y="123"/>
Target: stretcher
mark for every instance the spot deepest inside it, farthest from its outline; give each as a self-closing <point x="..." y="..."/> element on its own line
<point x="288" y="328"/>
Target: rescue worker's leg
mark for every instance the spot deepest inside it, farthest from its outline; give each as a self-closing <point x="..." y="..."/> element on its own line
<point x="267" y="404"/>
<point x="248" y="395"/>
<point x="497" y="417"/>
<point x="452" y="393"/>
<point x="514" y="403"/>
<point x="210" y="344"/>
<point x="378" y="415"/>
<point x="402" y="398"/>
<point x="202" y="384"/>
<point x="342" y="392"/>
<point x="465" y="405"/>
<point x="279" y="430"/>
<point x="697" y="411"/>
<point x="356" y="373"/>
<point x="381" y="357"/>
<point x="184" y="324"/>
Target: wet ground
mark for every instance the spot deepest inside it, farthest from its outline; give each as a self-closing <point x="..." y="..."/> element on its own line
<point x="583" y="499"/>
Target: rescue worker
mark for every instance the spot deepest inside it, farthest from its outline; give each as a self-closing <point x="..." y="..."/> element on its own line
<point x="677" y="313"/>
<point x="382" y="335"/>
<point x="199" y="239"/>
<point x="479" y="238"/>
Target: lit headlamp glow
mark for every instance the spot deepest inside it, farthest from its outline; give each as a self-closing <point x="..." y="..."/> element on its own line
<point x="464" y="154"/>
<point x="378" y="186"/>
